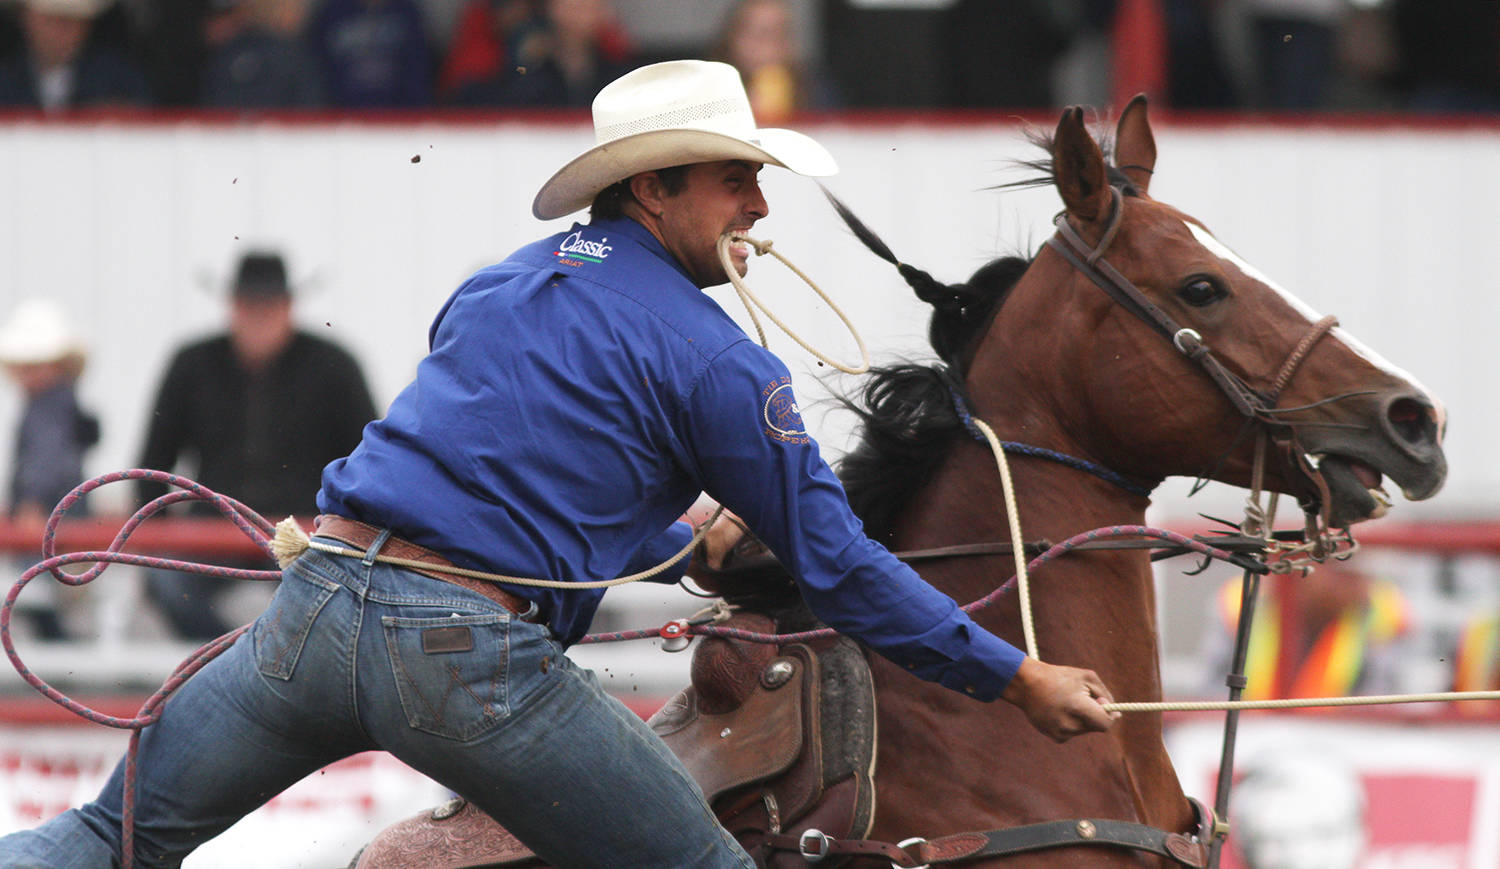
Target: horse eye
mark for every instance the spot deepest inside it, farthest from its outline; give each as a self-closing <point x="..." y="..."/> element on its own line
<point x="1199" y="292"/>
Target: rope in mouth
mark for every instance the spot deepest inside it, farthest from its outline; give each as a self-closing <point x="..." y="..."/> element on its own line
<point x="752" y="302"/>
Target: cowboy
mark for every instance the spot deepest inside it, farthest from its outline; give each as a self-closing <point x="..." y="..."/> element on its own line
<point x="577" y="398"/>
<point x="255" y="410"/>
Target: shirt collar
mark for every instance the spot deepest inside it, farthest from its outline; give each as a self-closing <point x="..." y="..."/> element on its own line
<point x="642" y="236"/>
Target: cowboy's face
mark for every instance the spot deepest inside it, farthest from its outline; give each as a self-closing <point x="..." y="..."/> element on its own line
<point x="718" y="197"/>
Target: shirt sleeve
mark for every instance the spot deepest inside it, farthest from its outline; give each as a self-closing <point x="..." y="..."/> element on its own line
<point x="660" y="548"/>
<point x="754" y="455"/>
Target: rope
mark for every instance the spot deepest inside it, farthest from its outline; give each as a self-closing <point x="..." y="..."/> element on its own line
<point x="1055" y="551"/>
<point x="1300" y="702"/>
<point x="291" y="541"/>
<point x="243" y="517"/>
<point x="761" y="249"/>
<point x="1017" y="545"/>
<point x="962" y="409"/>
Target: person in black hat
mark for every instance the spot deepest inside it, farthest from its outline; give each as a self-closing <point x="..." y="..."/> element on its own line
<point x="254" y="413"/>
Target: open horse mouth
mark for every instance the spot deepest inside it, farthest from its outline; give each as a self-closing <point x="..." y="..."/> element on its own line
<point x="1403" y="443"/>
<point x="1354" y="489"/>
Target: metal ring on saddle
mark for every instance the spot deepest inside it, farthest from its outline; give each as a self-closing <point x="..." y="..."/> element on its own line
<point x="903" y="845"/>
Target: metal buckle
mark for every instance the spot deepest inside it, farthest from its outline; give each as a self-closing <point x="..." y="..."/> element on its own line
<point x="1186" y="334"/>
<point x="814" y="845"/>
<point x="903" y="845"/>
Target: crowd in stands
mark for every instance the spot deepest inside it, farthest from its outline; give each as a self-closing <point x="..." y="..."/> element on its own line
<point x="796" y="55"/>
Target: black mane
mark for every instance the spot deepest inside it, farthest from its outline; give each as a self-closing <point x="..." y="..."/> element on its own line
<point x="907" y="416"/>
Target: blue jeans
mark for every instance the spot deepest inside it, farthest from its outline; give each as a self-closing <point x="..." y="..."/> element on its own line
<point x="353" y="655"/>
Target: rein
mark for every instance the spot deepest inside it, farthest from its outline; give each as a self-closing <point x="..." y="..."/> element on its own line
<point x="961" y="407"/>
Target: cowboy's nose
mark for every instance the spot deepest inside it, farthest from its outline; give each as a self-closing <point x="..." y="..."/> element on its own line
<point x="758" y="206"/>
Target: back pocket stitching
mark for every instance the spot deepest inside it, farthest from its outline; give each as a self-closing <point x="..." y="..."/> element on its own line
<point x="492" y="711"/>
<point x="279" y="660"/>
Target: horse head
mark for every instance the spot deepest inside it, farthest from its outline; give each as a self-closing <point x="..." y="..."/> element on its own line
<point x="1159" y="352"/>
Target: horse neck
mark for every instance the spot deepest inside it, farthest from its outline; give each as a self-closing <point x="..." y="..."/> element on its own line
<point x="964" y="503"/>
<point x="1026" y="381"/>
<point x="1094" y="610"/>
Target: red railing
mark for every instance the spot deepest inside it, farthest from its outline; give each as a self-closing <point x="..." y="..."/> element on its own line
<point x="194" y="537"/>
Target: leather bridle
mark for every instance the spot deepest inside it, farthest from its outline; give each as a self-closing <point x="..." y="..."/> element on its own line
<point x="1258" y="407"/>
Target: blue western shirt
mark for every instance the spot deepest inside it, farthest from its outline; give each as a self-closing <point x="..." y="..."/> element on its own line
<point x="576" y="399"/>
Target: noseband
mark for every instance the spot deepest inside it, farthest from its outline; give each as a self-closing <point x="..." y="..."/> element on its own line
<point x="1255" y="405"/>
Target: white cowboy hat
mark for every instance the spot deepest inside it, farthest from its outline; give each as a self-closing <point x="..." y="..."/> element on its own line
<point x="669" y="114"/>
<point x="37" y="332"/>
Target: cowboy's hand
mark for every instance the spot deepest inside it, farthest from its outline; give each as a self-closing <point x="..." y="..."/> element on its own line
<point x="1060" y="701"/>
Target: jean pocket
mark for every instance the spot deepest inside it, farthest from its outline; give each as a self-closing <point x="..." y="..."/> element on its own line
<point x="451" y="673"/>
<point x="281" y="631"/>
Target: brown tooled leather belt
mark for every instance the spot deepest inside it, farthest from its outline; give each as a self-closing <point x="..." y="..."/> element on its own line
<point x="358" y="535"/>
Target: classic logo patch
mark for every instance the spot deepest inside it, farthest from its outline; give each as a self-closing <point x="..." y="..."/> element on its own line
<point x="576" y="250"/>
<point x="780" y="413"/>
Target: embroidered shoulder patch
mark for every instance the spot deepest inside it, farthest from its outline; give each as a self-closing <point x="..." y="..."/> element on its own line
<point x="575" y="250"/>
<point x="780" y="413"/>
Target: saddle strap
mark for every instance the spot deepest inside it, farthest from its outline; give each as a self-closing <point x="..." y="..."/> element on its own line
<point x="1185" y="850"/>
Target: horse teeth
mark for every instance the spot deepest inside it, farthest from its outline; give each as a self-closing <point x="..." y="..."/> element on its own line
<point x="1382" y="503"/>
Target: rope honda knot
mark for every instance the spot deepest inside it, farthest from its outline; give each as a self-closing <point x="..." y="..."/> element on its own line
<point x="289" y="543"/>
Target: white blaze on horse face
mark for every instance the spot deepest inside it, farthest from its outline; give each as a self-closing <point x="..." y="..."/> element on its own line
<point x="1217" y="248"/>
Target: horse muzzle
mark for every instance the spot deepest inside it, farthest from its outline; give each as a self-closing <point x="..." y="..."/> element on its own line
<point x="1404" y="445"/>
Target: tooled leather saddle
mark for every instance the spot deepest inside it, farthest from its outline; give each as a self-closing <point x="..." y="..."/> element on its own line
<point x="780" y="738"/>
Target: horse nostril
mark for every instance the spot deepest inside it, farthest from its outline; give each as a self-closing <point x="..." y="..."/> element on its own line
<point x="1413" y="421"/>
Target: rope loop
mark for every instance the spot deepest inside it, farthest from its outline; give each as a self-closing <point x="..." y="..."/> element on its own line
<point x="751" y="302"/>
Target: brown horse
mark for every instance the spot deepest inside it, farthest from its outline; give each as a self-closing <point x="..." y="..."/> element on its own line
<point x="1064" y="366"/>
<point x="1163" y="374"/>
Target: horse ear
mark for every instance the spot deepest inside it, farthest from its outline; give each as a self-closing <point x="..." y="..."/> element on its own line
<point x="1078" y="168"/>
<point x="1135" y="147"/>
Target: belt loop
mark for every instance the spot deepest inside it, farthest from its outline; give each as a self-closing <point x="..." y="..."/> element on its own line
<point x="374" y="550"/>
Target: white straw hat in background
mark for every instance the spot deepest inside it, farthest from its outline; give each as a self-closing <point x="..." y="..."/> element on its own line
<point x="38" y="332"/>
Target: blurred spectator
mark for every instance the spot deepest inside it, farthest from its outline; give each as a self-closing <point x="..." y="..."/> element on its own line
<point x="252" y="65"/>
<point x="255" y="414"/>
<point x="1295" y="51"/>
<point x="60" y="67"/>
<point x="1001" y="52"/>
<point x="1449" y="54"/>
<point x="44" y="358"/>
<point x="168" y="39"/>
<point x="857" y="41"/>
<point x="757" y="38"/>
<point x="1197" y="69"/>
<point x="1332" y="633"/>
<point x="480" y="50"/>
<point x="560" y="59"/>
<point x="373" y="54"/>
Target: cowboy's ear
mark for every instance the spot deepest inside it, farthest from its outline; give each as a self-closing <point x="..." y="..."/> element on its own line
<point x="1135" y="147"/>
<point x="647" y="189"/>
<point x="1078" y="168"/>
